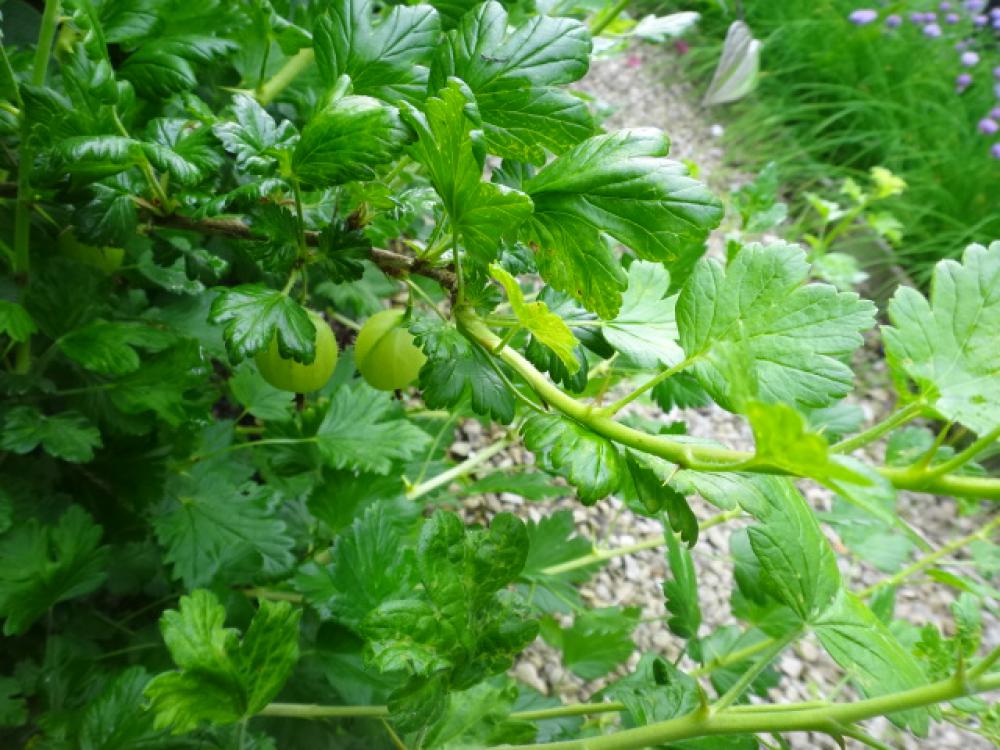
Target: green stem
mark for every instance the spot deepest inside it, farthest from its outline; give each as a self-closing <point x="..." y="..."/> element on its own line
<point x="927" y="560"/>
<point x="811" y="716"/>
<point x="288" y="73"/>
<point x="984" y="666"/>
<point x="961" y="459"/>
<point x="252" y="444"/>
<point x="146" y="168"/>
<point x="458" y="470"/>
<point x="733" y="657"/>
<point x="50" y="20"/>
<point x="576" y="709"/>
<point x="274" y="595"/>
<point x="22" y="205"/>
<point x="894" y="420"/>
<point x="601" y="22"/>
<point x="653" y="542"/>
<point x="750" y="674"/>
<point x="617" y="406"/>
<point x="300" y="218"/>
<point x="829" y="718"/>
<point x="313" y="711"/>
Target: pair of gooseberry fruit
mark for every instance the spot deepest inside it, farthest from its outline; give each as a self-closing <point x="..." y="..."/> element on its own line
<point x="384" y="353"/>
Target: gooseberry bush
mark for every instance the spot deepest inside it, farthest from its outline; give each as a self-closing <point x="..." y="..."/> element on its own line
<point x="228" y="521"/>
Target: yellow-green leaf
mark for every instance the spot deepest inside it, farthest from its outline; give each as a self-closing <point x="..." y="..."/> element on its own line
<point x="544" y="324"/>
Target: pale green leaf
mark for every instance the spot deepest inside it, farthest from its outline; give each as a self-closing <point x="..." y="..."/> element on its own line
<point x="948" y="345"/>
<point x="864" y="646"/>
<point x="756" y="317"/>
<point x="645" y="329"/>
<point x="541" y="322"/>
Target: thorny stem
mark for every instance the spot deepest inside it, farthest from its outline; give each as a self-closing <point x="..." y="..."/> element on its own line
<point x="710" y="457"/>
<point x="830" y="718"/>
<point x="50" y="20"/>
<point x="22" y="206"/>
<point x="812" y="716"/>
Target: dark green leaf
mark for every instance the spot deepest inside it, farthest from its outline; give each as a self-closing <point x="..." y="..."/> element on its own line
<point x="209" y="527"/>
<point x="358" y="431"/>
<point x="481" y="213"/>
<point x="222" y="678"/>
<point x="598" y="640"/>
<point x="110" y="348"/>
<point x="385" y="59"/>
<point x="41" y="566"/>
<point x="15" y="322"/>
<point x="369" y="566"/>
<point x="513" y="75"/>
<point x="346" y="141"/>
<point x="589" y="462"/>
<point x="68" y="435"/>
<point x="456" y="369"/>
<point x="254" y="138"/>
<point x="255" y="315"/>
<point x="619" y="185"/>
<point x="681" y="591"/>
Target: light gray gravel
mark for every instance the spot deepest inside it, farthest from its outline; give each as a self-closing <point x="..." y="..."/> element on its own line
<point x="634" y="86"/>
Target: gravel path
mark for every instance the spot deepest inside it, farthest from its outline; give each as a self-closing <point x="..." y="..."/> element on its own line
<point x="633" y="86"/>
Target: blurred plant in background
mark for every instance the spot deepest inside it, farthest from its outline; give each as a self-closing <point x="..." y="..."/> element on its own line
<point x="836" y="220"/>
<point x="971" y="28"/>
<point x="840" y="92"/>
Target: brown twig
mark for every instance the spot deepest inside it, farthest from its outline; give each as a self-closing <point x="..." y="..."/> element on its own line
<point x="391" y="262"/>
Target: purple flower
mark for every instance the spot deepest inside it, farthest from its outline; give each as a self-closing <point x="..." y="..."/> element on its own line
<point x="917" y="17"/>
<point x="945" y="5"/>
<point x="995" y="150"/>
<point x="962" y="82"/>
<point x="863" y="17"/>
<point x="951" y="18"/>
<point x="962" y="44"/>
<point x="996" y="22"/>
<point x="969" y="59"/>
<point x="994" y="113"/>
<point x="996" y="72"/>
<point x="988" y="126"/>
<point x="995" y="12"/>
<point x="996" y="90"/>
<point x="932" y="30"/>
<point x="893" y="21"/>
<point x="980" y="20"/>
<point x="975" y="6"/>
